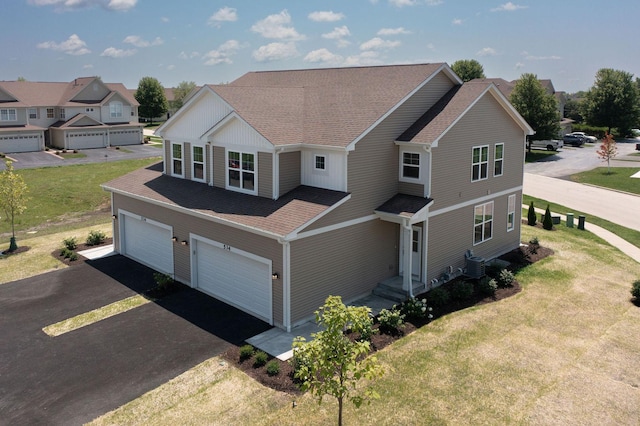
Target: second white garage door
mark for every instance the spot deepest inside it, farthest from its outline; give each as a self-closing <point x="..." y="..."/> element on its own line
<point x="234" y="276"/>
<point x="147" y="241"/>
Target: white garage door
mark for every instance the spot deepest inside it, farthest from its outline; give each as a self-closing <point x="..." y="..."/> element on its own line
<point x="20" y="143"/>
<point x="147" y="241"/>
<point x="87" y="140"/>
<point x="236" y="277"/>
<point x="124" y="137"/>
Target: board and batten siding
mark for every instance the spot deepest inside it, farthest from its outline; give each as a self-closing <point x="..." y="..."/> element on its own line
<point x="451" y="234"/>
<point x="236" y="134"/>
<point x="289" y="171"/>
<point x="347" y="263"/>
<point x="486" y="123"/>
<point x="200" y="116"/>
<point x="373" y="173"/>
<point x="332" y="177"/>
<point x="184" y="224"/>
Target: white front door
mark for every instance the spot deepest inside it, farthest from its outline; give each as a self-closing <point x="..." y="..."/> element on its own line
<point x="416" y="251"/>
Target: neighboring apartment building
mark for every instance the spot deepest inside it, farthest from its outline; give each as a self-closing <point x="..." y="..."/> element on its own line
<point x="281" y="188"/>
<point x="84" y="113"/>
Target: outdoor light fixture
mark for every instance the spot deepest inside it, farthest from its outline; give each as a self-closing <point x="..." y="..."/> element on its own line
<point x="184" y="242"/>
<point x="174" y="239"/>
<point x="114" y="217"/>
<point x="275" y="276"/>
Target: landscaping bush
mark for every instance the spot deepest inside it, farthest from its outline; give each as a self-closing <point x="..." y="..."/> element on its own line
<point x="96" y="238"/>
<point x="163" y="281"/>
<point x="635" y="290"/>
<point x="488" y="286"/>
<point x="273" y="368"/>
<point x="366" y="332"/>
<point x="69" y="254"/>
<point x="70" y="243"/>
<point x="506" y="278"/>
<point x="439" y="297"/>
<point x="547" y="222"/>
<point x="246" y="352"/>
<point x="391" y="320"/>
<point x="260" y="359"/>
<point x="300" y="362"/>
<point x="461" y="290"/>
<point x="531" y="215"/>
<point x="534" y="245"/>
<point x="415" y="308"/>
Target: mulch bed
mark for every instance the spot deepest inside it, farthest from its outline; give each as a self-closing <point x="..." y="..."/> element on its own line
<point x="81" y="247"/>
<point x="284" y="382"/>
<point x="20" y="249"/>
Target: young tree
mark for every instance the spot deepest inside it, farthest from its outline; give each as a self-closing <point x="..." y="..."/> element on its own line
<point x="13" y="198"/>
<point x="537" y="107"/>
<point x="468" y="69"/>
<point x="547" y="221"/>
<point x="150" y="96"/>
<point x="331" y="363"/>
<point x="612" y="101"/>
<point x="181" y="92"/>
<point x="608" y="150"/>
<point x="531" y="215"/>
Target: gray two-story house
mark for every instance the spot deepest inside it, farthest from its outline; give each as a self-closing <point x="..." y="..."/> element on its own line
<point x="284" y="187"/>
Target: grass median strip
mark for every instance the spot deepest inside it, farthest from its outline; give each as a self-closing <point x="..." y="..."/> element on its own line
<point x="94" y="316"/>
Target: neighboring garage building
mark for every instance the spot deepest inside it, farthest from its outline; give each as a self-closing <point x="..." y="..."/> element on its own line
<point x="85" y="113"/>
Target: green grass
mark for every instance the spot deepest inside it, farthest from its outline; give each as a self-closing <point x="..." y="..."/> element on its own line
<point x="537" y="155"/>
<point x="60" y="195"/>
<point x="619" y="178"/>
<point x="68" y="155"/>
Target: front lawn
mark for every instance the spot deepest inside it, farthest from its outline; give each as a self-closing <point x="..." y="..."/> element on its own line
<point x="619" y="178"/>
<point x="538" y="155"/>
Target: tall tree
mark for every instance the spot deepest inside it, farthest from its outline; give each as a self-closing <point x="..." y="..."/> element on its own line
<point x="468" y="69"/>
<point x="612" y="101"/>
<point x="181" y="92"/>
<point x="537" y="107"/>
<point x="608" y="150"/>
<point x="150" y="95"/>
<point x="332" y="363"/>
<point x="13" y="198"/>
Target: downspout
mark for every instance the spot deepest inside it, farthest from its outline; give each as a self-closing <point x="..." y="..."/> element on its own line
<point x="286" y="284"/>
<point x="275" y="172"/>
<point x="407" y="280"/>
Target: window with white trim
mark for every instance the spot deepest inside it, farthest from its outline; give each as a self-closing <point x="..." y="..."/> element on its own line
<point x="33" y="113"/>
<point x="241" y="171"/>
<point x="176" y="159"/>
<point x="8" y="114"/>
<point x="319" y="162"/>
<point x="198" y="163"/>
<point x="115" y="109"/>
<point x="480" y="163"/>
<point x="62" y="114"/>
<point x="50" y="113"/>
<point x="498" y="159"/>
<point x="511" y="213"/>
<point x="410" y="165"/>
<point x="483" y="222"/>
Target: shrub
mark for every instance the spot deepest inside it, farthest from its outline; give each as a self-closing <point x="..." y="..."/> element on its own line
<point x="300" y="361"/>
<point x="95" y="238"/>
<point x="70" y="243"/>
<point x="506" y="278"/>
<point x="635" y="290"/>
<point x="260" y="359"/>
<point x="366" y="332"/>
<point x="547" y="221"/>
<point x="488" y="286"/>
<point x="246" y="352"/>
<point x="415" y="308"/>
<point x="73" y="256"/>
<point x="273" y="367"/>
<point x="163" y="281"/>
<point x="531" y="215"/>
<point x="534" y="245"/>
<point x="391" y="320"/>
<point x="461" y="290"/>
<point x="439" y="296"/>
<point x="65" y="252"/>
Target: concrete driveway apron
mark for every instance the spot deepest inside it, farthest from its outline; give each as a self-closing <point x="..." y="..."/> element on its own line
<point x="78" y="376"/>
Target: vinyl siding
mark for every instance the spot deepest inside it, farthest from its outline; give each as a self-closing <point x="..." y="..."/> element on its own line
<point x="348" y="262"/>
<point x="289" y="169"/>
<point x="265" y="174"/>
<point x="219" y="167"/>
<point x="411" y="189"/>
<point x="186" y="160"/>
<point x="95" y="91"/>
<point x="184" y="224"/>
<point x="200" y="117"/>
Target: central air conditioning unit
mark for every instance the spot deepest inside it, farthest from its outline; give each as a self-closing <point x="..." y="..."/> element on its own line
<point x="475" y="267"/>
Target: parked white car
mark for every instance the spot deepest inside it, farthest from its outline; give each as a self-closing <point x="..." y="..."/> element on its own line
<point x="549" y="145"/>
<point x="587" y="138"/>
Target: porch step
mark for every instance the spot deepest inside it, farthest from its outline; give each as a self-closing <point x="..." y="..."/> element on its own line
<point x="391" y="289"/>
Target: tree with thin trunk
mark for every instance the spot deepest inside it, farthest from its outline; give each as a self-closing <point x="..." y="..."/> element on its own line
<point x="608" y="150"/>
<point x="333" y="363"/>
<point x="13" y="198"/>
<point x="150" y="95"/>
<point x="468" y="69"/>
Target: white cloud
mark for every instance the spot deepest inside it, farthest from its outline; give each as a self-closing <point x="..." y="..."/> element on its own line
<point x="377" y="43"/>
<point x="508" y="7"/>
<point x="87" y="66"/>
<point x="457" y="21"/>
<point x="138" y="41"/>
<point x="434" y="2"/>
<point x="401" y="3"/>
<point x="275" y="51"/>
<point x="164" y="19"/>
<point x="224" y="14"/>
<point x="277" y="26"/>
<point x="190" y="55"/>
<point x="112" y="52"/>
<point x="487" y="51"/>
<point x="171" y="67"/>
<point x="393" y="31"/>
<point x="72" y="46"/>
<point x="364" y="58"/>
<point x="431" y="46"/>
<point x="323" y="55"/>
<point x="326" y="16"/>
<point x="519" y="65"/>
<point x="62" y="5"/>
<point x="223" y="54"/>
<point x="542" y="58"/>
<point x="337" y="33"/>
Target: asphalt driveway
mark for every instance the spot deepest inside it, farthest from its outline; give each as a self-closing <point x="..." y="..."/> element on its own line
<point x="80" y="375"/>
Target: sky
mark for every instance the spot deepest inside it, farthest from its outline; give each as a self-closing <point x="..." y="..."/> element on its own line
<point x="213" y="42"/>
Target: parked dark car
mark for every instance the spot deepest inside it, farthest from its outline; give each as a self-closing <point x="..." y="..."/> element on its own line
<point x="574" y="140"/>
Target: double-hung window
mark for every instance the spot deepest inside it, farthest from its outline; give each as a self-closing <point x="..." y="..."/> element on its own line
<point x="483" y="222"/>
<point x="33" y="113"/>
<point x="511" y="213"/>
<point x="115" y="108"/>
<point x="498" y="159"/>
<point x="198" y="163"/>
<point x="480" y="163"/>
<point x="241" y="171"/>
<point x="8" y="114"/>
<point x="50" y="113"/>
<point x="63" y="114"/>
<point x="410" y="165"/>
<point x="176" y="159"/>
<point x="320" y="162"/>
